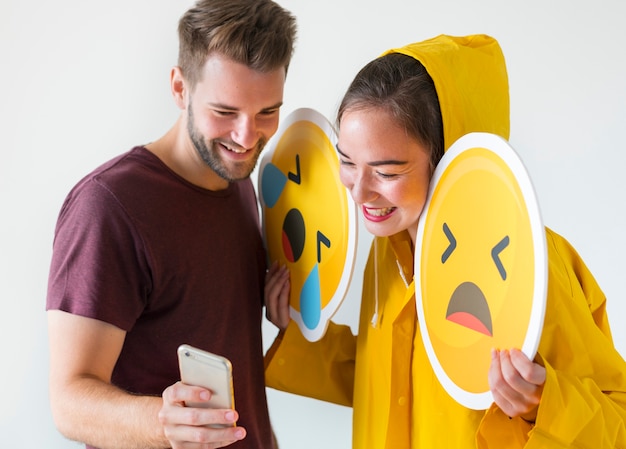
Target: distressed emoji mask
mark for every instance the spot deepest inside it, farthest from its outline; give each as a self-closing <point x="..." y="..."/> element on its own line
<point x="480" y="265"/>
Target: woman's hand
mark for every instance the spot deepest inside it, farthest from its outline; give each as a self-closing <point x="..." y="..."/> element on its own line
<point x="276" y="292"/>
<point x="516" y="383"/>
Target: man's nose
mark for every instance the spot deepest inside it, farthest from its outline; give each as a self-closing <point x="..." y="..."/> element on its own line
<point x="246" y="133"/>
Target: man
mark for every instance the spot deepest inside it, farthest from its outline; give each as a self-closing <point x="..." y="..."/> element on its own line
<point x="161" y="246"/>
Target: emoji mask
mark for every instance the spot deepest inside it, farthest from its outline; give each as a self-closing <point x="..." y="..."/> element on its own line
<point x="480" y="264"/>
<point x="309" y="220"/>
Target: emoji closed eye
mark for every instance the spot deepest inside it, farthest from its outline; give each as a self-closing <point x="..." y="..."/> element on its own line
<point x="495" y="255"/>
<point x="448" y="252"/>
<point x="321" y="240"/>
<point x="273" y="182"/>
<point x="295" y="177"/>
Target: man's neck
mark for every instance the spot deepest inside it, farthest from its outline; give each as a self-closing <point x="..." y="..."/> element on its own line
<point x="176" y="150"/>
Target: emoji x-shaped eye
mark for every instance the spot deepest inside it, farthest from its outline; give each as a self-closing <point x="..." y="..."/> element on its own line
<point x="446" y="254"/>
<point x="495" y="255"/>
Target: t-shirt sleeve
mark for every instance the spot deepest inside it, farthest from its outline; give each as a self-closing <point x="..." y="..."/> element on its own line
<point x="99" y="268"/>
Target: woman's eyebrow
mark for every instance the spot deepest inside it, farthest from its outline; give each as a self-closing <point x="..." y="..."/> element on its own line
<point x="387" y="162"/>
<point x="375" y="163"/>
<point x="341" y="152"/>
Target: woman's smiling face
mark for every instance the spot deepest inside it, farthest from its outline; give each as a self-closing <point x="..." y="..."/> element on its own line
<point x="386" y="171"/>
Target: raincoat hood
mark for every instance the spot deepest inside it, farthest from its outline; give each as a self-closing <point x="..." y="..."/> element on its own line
<point x="471" y="81"/>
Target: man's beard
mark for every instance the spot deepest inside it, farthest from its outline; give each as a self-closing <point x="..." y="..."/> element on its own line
<point x="210" y="155"/>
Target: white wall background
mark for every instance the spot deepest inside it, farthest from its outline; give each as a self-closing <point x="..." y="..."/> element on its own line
<point x="83" y="81"/>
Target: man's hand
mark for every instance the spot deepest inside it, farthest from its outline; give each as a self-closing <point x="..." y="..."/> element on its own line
<point x="188" y="427"/>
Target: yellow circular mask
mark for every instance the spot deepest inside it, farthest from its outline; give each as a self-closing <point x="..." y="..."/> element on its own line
<point x="309" y="220"/>
<point x="480" y="264"/>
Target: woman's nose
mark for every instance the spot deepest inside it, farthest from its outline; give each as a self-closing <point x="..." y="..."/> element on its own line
<point x="360" y="188"/>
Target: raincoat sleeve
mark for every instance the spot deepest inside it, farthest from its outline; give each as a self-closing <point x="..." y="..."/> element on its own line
<point x="583" y="404"/>
<point x="321" y="370"/>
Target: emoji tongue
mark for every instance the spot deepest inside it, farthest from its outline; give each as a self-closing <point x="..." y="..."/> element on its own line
<point x="468" y="320"/>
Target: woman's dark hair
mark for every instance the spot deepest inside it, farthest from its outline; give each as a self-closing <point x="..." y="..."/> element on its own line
<point x="399" y="85"/>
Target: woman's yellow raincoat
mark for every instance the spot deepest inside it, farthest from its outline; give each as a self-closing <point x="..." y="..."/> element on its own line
<point x="384" y="372"/>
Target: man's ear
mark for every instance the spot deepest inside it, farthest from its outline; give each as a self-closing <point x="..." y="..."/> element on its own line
<point x="178" y="86"/>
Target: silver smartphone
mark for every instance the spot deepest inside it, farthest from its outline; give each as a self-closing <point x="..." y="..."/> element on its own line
<point x="213" y="372"/>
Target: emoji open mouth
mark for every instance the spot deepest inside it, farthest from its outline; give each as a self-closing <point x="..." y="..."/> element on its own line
<point x="469" y="308"/>
<point x="293" y="235"/>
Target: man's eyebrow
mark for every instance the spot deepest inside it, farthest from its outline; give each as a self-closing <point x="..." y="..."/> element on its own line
<point x="226" y="107"/>
<point x="375" y="163"/>
<point x="273" y="107"/>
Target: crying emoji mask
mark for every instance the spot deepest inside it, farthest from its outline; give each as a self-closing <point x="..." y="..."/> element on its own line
<point x="309" y="220"/>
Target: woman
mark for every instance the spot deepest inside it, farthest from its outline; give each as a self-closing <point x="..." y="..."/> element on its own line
<point x="399" y="115"/>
